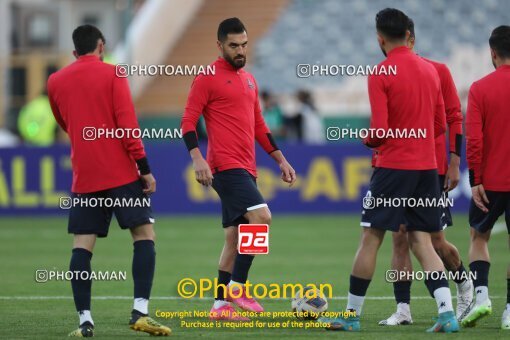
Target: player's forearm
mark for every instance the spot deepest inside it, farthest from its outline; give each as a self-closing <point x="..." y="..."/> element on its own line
<point x="278" y="156"/>
<point x="196" y="154"/>
<point x="454" y="160"/>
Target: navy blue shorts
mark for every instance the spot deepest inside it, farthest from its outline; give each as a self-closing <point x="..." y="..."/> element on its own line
<point x="397" y="186"/>
<point x="499" y="203"/>
<point x="94" y="217"/>
<point x="239" y="194"/>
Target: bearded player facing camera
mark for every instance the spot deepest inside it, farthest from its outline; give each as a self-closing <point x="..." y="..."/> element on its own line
<point x="229" y="102"/>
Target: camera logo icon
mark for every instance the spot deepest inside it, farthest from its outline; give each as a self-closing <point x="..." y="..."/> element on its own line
<point x="368" y="202"/>
<point x="392" y="275"/>
<point x="66" y="203"/>
<point x="89" y="133"/>
<point x="304" y="70"/>
<point x="41" y="276"/>
<point x="122" y="70"/>
<point x="333" y="133"/>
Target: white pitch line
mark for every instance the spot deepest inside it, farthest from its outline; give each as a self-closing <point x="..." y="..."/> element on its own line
<point x="195" y="299"/>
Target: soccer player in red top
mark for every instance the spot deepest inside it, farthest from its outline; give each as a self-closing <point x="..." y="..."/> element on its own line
<point x="86" y="96"/>
<point x="230" y="105"/>
<point x="488" y="149"/>
<point x="449" y="176"/>
<point x="405" y="169"/>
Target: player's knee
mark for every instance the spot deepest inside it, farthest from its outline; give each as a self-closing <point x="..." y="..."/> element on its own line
<point x="478" y="237"/>
<point x="400" y="243"/>
<point x="143" y="232"/>
<point x="263" y="216"/>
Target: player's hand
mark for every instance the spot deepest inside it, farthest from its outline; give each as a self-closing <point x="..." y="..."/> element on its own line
<point x="149" y="184"/>
<point x="203" y="173"/>
<point x="480" y="198"/>
<point x="288" y="173"/>
<point x="452" y="178"/>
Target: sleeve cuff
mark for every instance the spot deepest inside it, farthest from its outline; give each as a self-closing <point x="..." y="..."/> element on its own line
<point x="143" y="166"/>
<point x="474" y="177"/>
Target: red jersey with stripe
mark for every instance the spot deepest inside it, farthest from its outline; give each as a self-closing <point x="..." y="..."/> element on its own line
<point x="488" y="130"/>
<point x="230" y="105"/>
<point x="87" y="93"/>
<point x="453" y="118"/>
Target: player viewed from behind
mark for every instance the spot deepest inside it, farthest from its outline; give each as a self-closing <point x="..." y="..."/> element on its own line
<point x="405" y="168"/>
<point x="83" y="96"/>
<point x="449" y="176"/>
<point x="230" y="105"/>
<point x="488" y="149"/>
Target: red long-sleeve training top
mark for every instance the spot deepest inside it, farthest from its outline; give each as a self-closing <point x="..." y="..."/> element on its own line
<point x="87" y="93"/>
<point x="230" y="105"/>
<point x="488" y="131"/>
<point x="453" y="118"/>
<point x="411" y="100"/>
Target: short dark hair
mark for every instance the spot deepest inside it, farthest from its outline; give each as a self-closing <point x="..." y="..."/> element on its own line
<point x="500" y="41"/>
<point x="410" y="28"/>
<point x="392" y="23"/>
<point x="228" y="26"/>
<point x="85" y="39"/>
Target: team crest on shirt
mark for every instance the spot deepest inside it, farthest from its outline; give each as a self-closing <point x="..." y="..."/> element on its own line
<point x="250" y="84"/>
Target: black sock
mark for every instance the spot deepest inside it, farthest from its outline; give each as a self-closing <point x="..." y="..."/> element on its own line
<point x="432" y="284"/>
<point x="242" y="267"/>
<point x="144" y="262"/>
<point x="508" y="290"/>
<point x="223" y="279"/>
<point x="80" y="261"/>
<point x="460" y="274"/>
<point x="481" y="270"/>
<point x="402" y="291"/>
<point x="358" y="286"/>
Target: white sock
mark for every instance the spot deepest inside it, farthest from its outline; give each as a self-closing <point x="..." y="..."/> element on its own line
<point x="443" y="298"/>
<point x="404" y="308"/>
<point x="85" y="316"/>
<point x="355" y="302"/>
<point x="238" y="284"/>
<point x="219" y="303"/>
<point x="508" y="307"/>
<point x="482" y="294"/>
<point x="141" y="305"/>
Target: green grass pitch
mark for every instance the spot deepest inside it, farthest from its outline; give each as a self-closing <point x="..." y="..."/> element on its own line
<point x="303" y="249"/>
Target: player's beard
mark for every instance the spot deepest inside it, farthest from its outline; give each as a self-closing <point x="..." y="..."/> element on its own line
<point x="237" y="62"/>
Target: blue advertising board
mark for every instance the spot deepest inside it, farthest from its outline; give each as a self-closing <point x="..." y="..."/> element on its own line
<point x="331" y="179"/>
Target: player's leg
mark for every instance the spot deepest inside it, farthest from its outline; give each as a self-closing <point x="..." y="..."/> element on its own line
<point x="437" y="285"/>
<point x="375" y="219"/>
<point x="239" y="195"/>
<point x="256" y="214"/>
<point x="452" y="262"/>
<point x="243" y="262"/>
<point x="422" y="221"/>
<point x="140" y="222"/>
<point x="505" y="318"/>
<point x="481" y="227"/>
<point x="401" y="263"/>
<point x="86" y="223"/>
<point x="362" y="271"/>
<point x="222" y="309"/>
<point x="83" y="246"/>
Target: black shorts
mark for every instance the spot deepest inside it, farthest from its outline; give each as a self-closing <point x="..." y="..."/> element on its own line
<point x="396" y="186"/>
<point x="239" y="194"/>
<point x="446" y="215"/>
<point x="94" y="217"/>
<point x="499" y="203"/>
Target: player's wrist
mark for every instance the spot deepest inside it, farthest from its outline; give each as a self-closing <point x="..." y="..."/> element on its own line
<point x="454" y="159"/>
